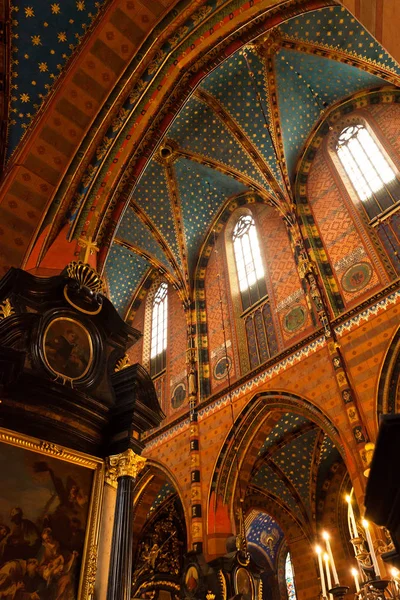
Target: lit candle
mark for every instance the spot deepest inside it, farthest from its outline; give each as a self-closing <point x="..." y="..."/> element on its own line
<point x="355" y="575"/>
<point x="325" y="535"/>
<point x="328" y="574"/>
<point x="371" y="548"/>
<point x="318" y="550"/>
<point x="395" y="574"/>
<point x="352" y="524"/>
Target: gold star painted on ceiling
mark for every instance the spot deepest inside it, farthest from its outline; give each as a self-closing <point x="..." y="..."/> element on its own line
<point x="62" y="36"/>
<point x="33" y="82"/>
<point x="52" y="51"/>
<point x="36" y="41"/>
<point x="45" y="24"/>
<point x="24" y="98"/>
<point x="80" y="5"/>
<point x="26" y="55"/>
<point x="55" y="9"/>
<point x="29" y="12"/>
<point x="43" y="67"/>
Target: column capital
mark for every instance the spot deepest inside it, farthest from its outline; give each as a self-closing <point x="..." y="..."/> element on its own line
<point x="127" y="463"/>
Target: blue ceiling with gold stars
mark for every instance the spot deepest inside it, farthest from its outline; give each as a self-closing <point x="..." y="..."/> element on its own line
<point x="222" y="143"/>
<point x="265" y="533"/>
<point x="44" y="34"/>
<point x="293" y="464"/>
<point x="165" y="492"/>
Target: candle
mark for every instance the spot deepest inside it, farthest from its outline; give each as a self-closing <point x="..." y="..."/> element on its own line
<point x="395" y="574"/>
<point x="352" y="523"/>
<point x="371" y="548"/>
<point x="325" y="535"/>
<point x="355" y="575"/>
<point x="318" y="550"/>
<point x="328" y="574"/>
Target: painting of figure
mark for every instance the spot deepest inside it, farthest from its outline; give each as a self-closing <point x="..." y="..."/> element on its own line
<point x="68" y="348"/>
<point x="244" y="585"/>
<point x="44" y="507"/>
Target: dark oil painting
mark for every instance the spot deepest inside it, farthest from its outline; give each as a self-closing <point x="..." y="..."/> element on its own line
<point x="44" y="506"/>
<point x="68" y="348"/>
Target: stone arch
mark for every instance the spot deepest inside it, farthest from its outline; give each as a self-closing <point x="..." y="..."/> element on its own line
<point x="388" y="397"/>
<point x="154" y="477"/>
<point x="234" y="464"/>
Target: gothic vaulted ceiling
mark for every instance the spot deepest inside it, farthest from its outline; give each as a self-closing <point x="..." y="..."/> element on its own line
<point x="220" y="144"/>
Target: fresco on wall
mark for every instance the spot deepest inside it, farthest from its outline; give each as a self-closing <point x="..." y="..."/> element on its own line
<point x="43" y="518"/>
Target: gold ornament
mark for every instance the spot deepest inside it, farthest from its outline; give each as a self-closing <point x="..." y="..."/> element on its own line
<point x="127" y="463"/>
<point x="122" y="363"/>
<point x="6" y="309"/>
<point x="86" y="276"/>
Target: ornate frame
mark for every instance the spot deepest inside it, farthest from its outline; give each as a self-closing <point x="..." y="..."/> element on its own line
<point x="90" y="343"/>
<point x="89" y="559"/>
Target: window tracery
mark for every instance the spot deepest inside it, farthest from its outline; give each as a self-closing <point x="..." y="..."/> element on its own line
<point x="159" y="320"/>
<point x="289" y="578"/>
<point x="250" y="270"/>
<point x="369" y="171"/>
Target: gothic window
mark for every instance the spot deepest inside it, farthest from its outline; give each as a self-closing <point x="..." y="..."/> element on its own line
<point x="248" y="261"/>
<point x="368" y="169"/>
<point x="159" y="330"/>
<point x="289" y="578"/>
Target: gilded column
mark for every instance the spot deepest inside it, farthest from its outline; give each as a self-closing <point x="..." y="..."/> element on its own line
<point x="122" y="470"/>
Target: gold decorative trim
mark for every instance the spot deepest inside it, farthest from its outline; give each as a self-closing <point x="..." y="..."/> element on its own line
<point x="89" y="558"/>
<point x="6" y="309"/>
<point x="127" y="463"/>
<point x="85" y="275"/>
<point x="122" y="363"/>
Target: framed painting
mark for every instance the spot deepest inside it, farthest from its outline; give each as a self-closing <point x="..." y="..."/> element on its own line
<point x="244" y="584"/>
<point x="67" y="348"/>
<point x="49" y="520"/>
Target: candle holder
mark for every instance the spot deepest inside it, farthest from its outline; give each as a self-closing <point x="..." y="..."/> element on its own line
<point x="339" y="591"/>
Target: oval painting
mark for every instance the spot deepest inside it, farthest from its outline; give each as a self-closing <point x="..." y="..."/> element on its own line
<point x="294" y="319"/>
<point x="67" y="348"/>
<point x="222" y="367"/>
<point x="357" y="277"/>
<point x="244" y="584"/>
<point x="178" y="395"/>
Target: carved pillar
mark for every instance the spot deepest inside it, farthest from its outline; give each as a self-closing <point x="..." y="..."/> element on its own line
<point x="122" y="470"/>
<point x="316" y="299"/>
<point x="195" y="470"/>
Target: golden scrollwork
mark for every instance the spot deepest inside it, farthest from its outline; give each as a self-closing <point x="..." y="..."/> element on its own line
<point x="222" y="582"/>
<point x="122" y="363"/>
<point x="91" y="569"/>
<point x="127" y="463"/>
<point x="51" y="448"/>
<point x="6" y="309"/>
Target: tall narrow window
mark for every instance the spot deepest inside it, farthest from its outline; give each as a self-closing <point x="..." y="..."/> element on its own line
<point x="370" y="173"/>
<point x="159" y="330"/>
<point x="289" y="578"/>
<point x="249" y="265"/>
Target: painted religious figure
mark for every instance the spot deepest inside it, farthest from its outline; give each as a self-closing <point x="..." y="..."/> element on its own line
<point x="244" y="584"/>
<point x="68" y="348"/>
<point x="43" y="518"/>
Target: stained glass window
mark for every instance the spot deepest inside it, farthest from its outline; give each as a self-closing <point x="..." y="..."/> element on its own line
<point x="159" y="330"/>
<point x="368" y="170"/>
<point x="248" y="260"/>
<point x="289" y="578"/>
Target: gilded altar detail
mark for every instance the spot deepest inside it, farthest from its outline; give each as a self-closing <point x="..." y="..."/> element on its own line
<point x="127" y="463"/>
